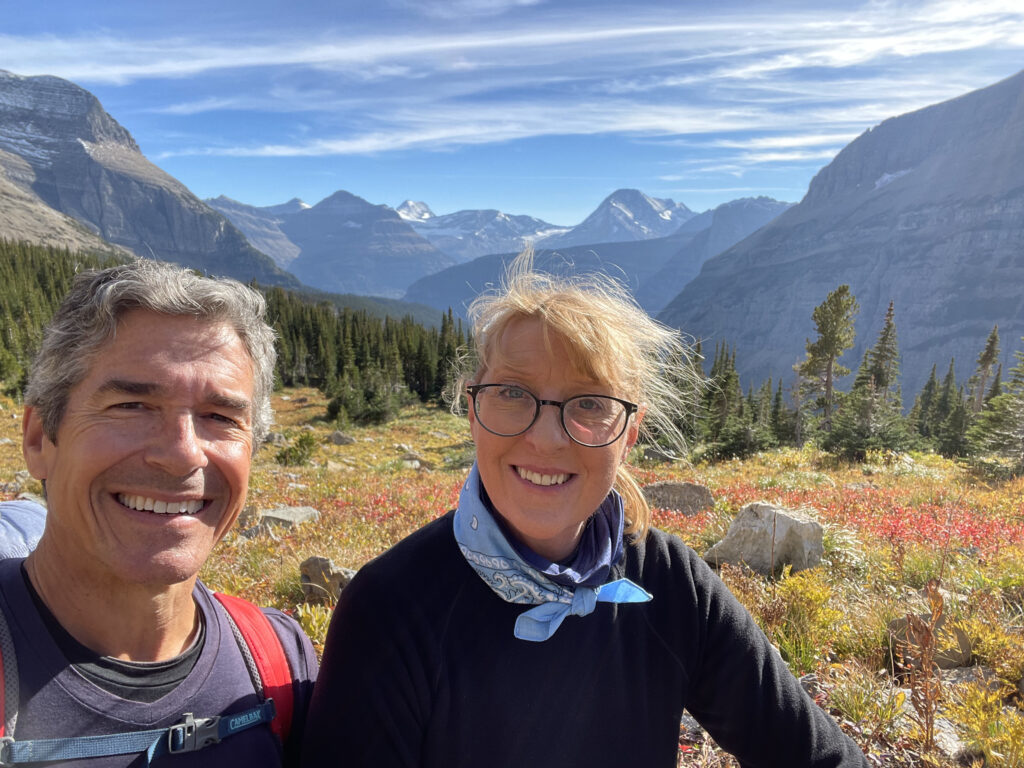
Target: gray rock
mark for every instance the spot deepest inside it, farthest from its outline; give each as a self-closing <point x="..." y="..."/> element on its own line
<point x="765" y="538"/>
<point x="323" y="581"/>
<point x="688" y="498"/>
<point x="276" y="438"/>
<point x="26" y="496"/>
<point x="6" y="441"/>
<point x="289" y="516"/>
<point x="982" y="676"/>
<point x="953" y="646"/>
<point x="340" y="438"/>
<point x="413" y="460"/>
<point x="654" y="453"/>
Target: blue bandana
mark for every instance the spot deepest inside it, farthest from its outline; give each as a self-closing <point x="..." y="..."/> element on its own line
<point x="518" y="575"/>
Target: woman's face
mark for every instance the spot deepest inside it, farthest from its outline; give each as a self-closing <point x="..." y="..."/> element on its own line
<point x="543" y="484"/>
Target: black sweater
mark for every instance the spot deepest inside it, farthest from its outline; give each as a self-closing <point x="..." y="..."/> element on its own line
<point x="421" y="669"/>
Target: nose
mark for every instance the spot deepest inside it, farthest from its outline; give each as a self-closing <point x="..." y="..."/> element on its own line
<point x="176" y="447"/>
<point x="547" y="431"/>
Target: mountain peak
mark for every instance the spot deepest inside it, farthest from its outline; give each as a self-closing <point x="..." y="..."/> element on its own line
<point x="414" y="210"/>
<point x="72" y="115"/>
<point x="283" y="209"/>
<point x="345" y="204"/>
<point x="626" y="215"/>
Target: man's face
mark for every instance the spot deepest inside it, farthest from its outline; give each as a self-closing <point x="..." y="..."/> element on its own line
<point x="151" y="461"/>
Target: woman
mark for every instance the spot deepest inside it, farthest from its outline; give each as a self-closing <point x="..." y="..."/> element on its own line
<point x="542" y="623"/>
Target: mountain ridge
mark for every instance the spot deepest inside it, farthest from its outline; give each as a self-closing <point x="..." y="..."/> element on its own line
<point x="79" y="161"/>
<point x="905" y="212"/>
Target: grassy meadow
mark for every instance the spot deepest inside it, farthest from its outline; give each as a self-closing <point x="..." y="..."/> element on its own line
<point x="893" y="526"/>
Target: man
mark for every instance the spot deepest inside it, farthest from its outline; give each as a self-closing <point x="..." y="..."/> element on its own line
<point x="143" y="409"/>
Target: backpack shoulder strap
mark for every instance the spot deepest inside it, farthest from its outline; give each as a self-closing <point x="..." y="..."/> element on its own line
<point x="9" y="689"/>
<point x="264" y="656"/>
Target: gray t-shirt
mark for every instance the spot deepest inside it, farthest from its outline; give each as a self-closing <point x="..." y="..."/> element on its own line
<point x="57" y="701"/>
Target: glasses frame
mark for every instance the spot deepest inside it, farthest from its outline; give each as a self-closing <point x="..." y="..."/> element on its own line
<point x="631" y="408"/>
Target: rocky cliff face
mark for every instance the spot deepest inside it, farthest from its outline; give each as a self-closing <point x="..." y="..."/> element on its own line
<point x="261" y="227"/>
<point x="723" y="227"/>
<point x="24" y="216"/>
<point x="926" y="209"/>
<point x="83" y="164"/>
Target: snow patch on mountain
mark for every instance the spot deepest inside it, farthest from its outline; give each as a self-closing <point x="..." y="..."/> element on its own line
<point x="889" y="178"/>
<point x="414" y="210"/>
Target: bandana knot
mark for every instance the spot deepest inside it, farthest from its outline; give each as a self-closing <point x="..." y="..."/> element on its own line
<point x="512" y="572"/>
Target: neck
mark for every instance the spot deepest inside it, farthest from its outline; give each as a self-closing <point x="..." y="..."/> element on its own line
<point x="124" y="620"/>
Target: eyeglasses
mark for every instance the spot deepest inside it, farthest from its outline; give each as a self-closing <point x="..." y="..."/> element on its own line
<point x="590" y="420"/>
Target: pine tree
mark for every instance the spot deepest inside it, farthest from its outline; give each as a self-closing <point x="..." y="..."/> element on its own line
<point x="979" y="381"/>
<point x="921" y="412"/>
<point x="833" y="320"/>
<point x="870" y="416"/>
<point x="997" y="385"/>
<point x="999" y="428"/>
<point x="945" y="400"/>
<point x="883" y="358"/>
<point x="952" y="436"/>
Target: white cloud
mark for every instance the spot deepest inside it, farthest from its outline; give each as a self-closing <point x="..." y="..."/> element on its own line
<point x="771" y="87"/>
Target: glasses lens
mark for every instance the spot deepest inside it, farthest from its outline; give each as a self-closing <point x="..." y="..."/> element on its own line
<point x="503" y="409"/>
<point x="594" y="420"/>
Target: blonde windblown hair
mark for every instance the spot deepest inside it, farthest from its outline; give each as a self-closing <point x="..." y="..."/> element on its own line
<point x="609" y="338"/>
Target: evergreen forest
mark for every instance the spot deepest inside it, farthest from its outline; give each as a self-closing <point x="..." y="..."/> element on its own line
<point x="370" y="366"/>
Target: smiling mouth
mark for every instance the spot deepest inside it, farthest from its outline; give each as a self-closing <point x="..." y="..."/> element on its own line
<point x="146" y="504"/>
<point x="538" y="479"/>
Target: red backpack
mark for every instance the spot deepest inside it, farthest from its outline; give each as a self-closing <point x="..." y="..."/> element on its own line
<point x="264" y="658"/>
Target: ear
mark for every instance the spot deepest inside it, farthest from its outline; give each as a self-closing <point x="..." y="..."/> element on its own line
<point x="633" y="431"/>
<point x="34" y="443"/>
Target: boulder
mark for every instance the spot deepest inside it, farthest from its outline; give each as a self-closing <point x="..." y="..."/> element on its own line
<point x="412" y="460"/>
<point x="288" y="516"/>
<point x="765" y="538"/>
<point x="322" y="581"/>
<point x="953" y="646"/>
<point x="654" y="453"/>
<point x="340" y="438"/>
<point x="688" y="498"/>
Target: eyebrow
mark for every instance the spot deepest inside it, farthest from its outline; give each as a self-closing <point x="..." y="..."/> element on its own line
<point x="126" y="387"/>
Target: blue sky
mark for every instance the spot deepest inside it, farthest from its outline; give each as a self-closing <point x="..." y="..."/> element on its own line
<point x="529" y="106"/>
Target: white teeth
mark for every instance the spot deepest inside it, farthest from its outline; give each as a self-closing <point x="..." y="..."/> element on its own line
<point x="143" y="503"/>
<point x="539" y="479"/>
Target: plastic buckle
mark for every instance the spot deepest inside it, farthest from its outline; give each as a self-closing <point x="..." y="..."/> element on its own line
<point x="191" y="734"/>
<point x="6" y="745"/>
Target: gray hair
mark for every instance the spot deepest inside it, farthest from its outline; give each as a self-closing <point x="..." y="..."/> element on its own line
<point x="87" y="319"/>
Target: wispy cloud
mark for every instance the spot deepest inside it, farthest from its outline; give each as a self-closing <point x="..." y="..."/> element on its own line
<point x="769" y="87"/>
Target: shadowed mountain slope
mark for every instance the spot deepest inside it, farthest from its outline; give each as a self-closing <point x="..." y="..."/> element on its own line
<point x="926" y="209"/>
